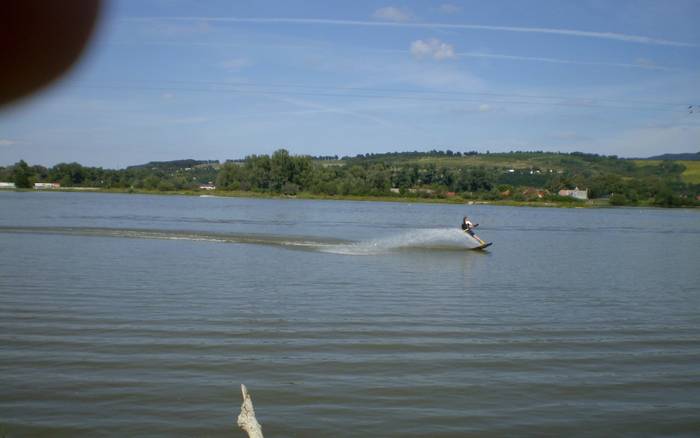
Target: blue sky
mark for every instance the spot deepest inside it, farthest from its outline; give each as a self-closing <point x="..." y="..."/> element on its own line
<point x="171" y="79"/>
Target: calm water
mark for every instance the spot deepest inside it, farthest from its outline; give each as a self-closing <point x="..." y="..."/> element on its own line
<point x="141" y="316"/>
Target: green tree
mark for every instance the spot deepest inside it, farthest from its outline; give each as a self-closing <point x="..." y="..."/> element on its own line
<point x="257" y="173"/>
<point x="281" y="169"/>
<point x="229" y="177"/>
<point x="22" y="175"/>
<point x="666" y="198"/>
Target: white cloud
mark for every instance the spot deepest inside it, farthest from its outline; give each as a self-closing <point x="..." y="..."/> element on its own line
<point x="7" y="142"/>
<point x="392" y="13"/>
<point x="484" y="108"/>
<point x="236" y="64"/>
<point x="450" y="8"/>
<point x="432" y="48"/>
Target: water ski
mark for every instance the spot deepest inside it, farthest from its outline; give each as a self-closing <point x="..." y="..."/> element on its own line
<point x="483" y="246"/>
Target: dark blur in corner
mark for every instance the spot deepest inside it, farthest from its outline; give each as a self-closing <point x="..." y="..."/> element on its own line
<point x="40" y="40"/>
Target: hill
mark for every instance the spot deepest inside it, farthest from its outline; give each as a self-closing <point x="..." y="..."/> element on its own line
<point x="173" y="165"/>
<point x="687" y="156"/>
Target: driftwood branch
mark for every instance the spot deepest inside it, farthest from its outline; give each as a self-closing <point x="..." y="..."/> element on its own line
<point x="246" y="419"/>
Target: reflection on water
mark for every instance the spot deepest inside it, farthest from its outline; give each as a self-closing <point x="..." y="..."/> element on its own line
<point x="140" y="316"/>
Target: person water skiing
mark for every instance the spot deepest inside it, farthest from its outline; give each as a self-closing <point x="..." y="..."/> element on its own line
<point x="468" y="226"/>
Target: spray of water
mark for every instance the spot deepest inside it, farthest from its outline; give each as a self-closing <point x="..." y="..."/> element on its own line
<point x="432" y="239"/>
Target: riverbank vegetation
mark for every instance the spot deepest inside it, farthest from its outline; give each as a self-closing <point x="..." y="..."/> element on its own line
<point x="513" y="178"/>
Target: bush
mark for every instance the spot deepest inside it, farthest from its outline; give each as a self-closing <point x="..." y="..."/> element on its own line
<point x="166" y="186"/>
<point x="666" y="198"/>
<point x="290" y="188"/>
<point x="619" y="199"/>
<point x="151" y="182"/>
<point x="490" y="196"/>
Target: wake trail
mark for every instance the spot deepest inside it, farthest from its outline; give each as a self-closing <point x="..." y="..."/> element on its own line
<point x="420" y="239"/>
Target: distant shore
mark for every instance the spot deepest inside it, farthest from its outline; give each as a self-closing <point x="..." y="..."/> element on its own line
<point x="455" y="200"/>
<point x="536" y="179"/>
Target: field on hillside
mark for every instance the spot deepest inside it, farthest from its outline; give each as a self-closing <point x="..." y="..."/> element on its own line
<point x="525" y="160"/>
<point x="690" y="175"/>
<point x="488" y="161"/>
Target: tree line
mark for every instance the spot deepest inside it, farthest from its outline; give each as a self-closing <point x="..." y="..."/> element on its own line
<point x="374" y="175"/>
<point x="394" y="174"/>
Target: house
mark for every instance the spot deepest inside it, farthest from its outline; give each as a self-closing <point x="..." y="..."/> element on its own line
<point x="209" y="186"/>
<point x="424" y="191"/>
<point x="7" y="185"/>
<point x="44" y="186"/>
<point x="395" y="190"/>
<point x="575" y="193"/>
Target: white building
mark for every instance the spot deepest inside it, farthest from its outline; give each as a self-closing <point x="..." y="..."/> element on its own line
<point x="575" y="193"/>
<point x="7" y="185"/>
<point x="44" y="186"/>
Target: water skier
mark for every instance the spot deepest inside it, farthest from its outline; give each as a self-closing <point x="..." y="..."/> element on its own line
<point x="468" y="226"/>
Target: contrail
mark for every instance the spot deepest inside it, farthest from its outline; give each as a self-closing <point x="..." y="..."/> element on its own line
<point x="332" y="22"/>
<point x="563" y="61"/>
<point x="647" y="66"/>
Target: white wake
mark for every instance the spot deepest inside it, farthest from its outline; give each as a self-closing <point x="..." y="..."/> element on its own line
<point x="431" y="239"/>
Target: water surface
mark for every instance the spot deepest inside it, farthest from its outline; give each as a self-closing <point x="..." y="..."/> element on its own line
<point x="141" y="315"/>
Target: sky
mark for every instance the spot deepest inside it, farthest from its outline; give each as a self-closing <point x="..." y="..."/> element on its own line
<point x="174" y="79"/>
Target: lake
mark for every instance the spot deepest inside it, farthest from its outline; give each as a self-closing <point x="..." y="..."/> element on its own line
<point x="134" y="315"/>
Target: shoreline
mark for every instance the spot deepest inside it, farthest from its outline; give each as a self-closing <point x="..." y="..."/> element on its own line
<point x="591" y="203"/>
